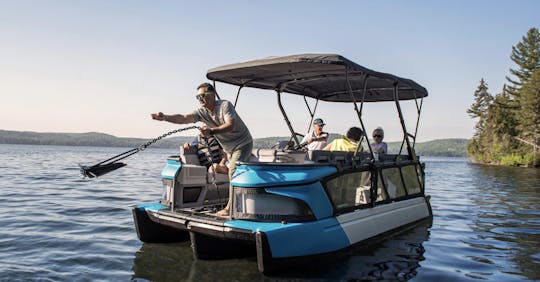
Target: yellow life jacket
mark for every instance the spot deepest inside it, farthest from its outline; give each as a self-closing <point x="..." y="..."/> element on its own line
<point x="343" y="144"/>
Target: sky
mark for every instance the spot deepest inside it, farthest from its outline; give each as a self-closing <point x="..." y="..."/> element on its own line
<point x="104" y="66"/>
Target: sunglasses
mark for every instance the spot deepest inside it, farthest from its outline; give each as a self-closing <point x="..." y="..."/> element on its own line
<point x="375" y="136"/>
<point x="202" y="95"/>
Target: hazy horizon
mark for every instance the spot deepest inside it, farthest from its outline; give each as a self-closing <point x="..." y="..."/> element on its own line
<point x="193" y="134"/>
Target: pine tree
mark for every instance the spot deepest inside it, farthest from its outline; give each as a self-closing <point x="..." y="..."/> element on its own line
<point x="526" y="55"/>
<point x="479" y="109"/>
<point x="500" y="119"/>
<point x="511" y="115"/>
<point x="530" y="114"/>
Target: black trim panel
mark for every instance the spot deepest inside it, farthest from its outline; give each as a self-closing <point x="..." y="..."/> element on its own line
<point x="150" y="231"/>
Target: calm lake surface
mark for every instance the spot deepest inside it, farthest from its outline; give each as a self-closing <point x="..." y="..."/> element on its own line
<point x="56" y="226"/>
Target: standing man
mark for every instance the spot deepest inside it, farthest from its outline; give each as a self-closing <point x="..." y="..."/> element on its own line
<point x="224" y="123"/>
<point x="316" y="139"/>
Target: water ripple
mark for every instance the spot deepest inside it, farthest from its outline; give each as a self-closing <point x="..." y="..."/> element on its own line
<point x="56" y="226"/>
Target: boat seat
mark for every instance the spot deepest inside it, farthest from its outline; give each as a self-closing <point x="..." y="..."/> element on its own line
<point x="320" y="156"/>
<point x="264" y="155"/>
<point x="279" y="156"/>
<point x="341" y="156"/>
<point x="189" y="156"/>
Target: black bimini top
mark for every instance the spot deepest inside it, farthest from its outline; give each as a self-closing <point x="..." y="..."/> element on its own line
<point x="320" y="76"/>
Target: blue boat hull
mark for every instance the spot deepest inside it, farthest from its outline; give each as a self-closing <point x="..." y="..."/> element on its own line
<point x="287" y="215"/>
<point x="277" y="246"/>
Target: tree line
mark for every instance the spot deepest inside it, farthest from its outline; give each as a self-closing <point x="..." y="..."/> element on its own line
<point x="440" y="147"/>
<point x="507" y="131"/>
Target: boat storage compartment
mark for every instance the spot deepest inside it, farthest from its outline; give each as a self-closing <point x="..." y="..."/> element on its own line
<point x="189" y="186"/>
<point x="257" y="204"/>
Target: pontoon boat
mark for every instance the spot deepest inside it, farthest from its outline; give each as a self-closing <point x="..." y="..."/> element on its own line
<point x="293" y="205"/>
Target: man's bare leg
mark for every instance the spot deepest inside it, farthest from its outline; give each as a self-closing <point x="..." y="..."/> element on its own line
<point x="241" y="154"/>
<point x="226" y="211"/>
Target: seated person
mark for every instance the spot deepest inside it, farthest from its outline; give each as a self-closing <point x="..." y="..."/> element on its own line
<point x="347" y="143"/>
<point x="378" y="146"/>
<point x="210" y="153"/>
<point x="220" y="167"/>
<point x="316" y="139"/>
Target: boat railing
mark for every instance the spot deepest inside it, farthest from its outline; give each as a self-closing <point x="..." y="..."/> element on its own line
<point x="190" y="156"/>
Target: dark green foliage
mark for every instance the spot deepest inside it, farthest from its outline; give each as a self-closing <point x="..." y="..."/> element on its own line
<point x="526" y="55"/>
<point x="508" y="128"/>
<point x="530" y="110"/>
<point x="482" y="101"/>
<point x="452" y="147"/>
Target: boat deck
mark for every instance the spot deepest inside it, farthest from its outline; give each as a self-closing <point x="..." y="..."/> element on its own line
<point x="200" y="214"/>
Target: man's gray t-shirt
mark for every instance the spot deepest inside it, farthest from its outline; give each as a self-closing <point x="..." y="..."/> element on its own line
<point x="223" y="112"/>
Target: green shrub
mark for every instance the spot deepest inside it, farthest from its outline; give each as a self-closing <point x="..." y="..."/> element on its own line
<point x="517" y="159"/>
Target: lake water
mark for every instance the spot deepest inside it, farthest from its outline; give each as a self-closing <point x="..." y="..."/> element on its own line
<point x="57" y="226"/>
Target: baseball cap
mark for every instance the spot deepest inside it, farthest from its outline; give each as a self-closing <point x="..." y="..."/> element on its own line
<point x="318" y="121"/>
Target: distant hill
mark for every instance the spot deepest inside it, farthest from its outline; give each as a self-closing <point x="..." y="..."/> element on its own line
<point x="451" y="147"/>
<point x="83" y="139"/>
<point x="441" y="147"/>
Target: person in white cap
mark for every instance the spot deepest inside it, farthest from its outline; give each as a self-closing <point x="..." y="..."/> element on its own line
<point x="316" y="139"/>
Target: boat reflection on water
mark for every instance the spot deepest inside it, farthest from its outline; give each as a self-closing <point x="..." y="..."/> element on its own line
<point x="175" y="262"/>
<point x="396" y="258"/>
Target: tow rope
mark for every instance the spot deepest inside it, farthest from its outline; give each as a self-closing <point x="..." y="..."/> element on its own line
<point x="113" y="163"/>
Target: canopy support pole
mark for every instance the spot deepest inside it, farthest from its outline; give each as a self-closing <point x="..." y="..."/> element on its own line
<point x="237" y="95"/>
<point x="311" y="113"/>
<point x="214" y="84"/>
<point x="419" y="109"/>
<point x="359" y="111"/>
<point x="287" y="119"/>
<point x="410" y="150"/>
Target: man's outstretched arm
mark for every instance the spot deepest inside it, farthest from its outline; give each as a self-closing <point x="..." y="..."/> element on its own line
<point x="179" y="118"/>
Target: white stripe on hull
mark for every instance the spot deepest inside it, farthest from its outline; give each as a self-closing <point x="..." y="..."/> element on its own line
<point x="366" y="223"/>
